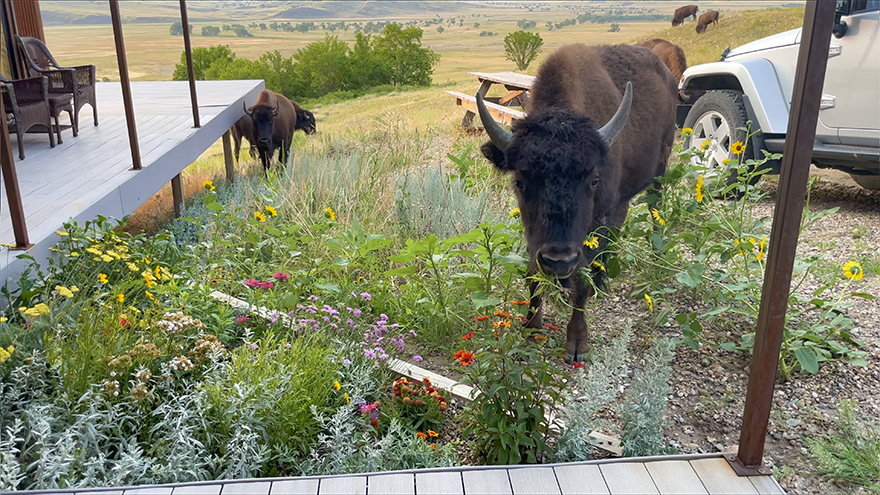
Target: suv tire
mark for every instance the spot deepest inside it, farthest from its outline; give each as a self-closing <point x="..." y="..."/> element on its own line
<point x="871" y="182"/>
<point x="717" y="117"/>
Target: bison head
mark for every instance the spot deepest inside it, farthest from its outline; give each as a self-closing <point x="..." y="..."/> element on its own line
<point x="262" y="116"/>
<point x="305" y="120"/>
<point x="557" y="160"/>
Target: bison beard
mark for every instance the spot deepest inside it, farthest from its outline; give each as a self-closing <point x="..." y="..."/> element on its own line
<point x="569" y="176"/>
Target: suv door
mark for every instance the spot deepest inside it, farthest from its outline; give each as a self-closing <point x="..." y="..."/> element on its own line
<point x="852" y="80"/>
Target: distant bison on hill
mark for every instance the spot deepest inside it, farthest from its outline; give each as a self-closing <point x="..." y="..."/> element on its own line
<point x="710" y="17"/>
<point x="599" y="128"/>
<point x="683" y="13"/>
<point x="270" y="124"/>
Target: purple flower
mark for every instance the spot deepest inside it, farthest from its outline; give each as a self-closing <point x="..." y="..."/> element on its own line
<point x="416" y="358"/>
<point x="366" y="296"/>
<point x="313" y="298"/>
<point x="356" y="312"/>
<point x="287" y="345"/>
<point x="346" y="362"/>
<point x="275" y="317"/>
<point x="253" y="346"/>
<point x="369" y="353"/>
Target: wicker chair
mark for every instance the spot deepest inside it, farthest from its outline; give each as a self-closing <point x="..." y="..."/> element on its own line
<point x="27" y="104"/>
<point x="76" y="81"/>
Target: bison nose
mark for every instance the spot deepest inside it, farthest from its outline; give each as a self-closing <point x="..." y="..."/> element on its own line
<point x="264" y="141"/>
<point x="561" y="264"/>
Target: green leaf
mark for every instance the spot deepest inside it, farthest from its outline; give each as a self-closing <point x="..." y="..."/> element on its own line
<point x="328" y="287"/>
<point x="289" y="301"/>
<point x="215" y="206"/>
<point x="613" y="267"/>
<point x="481" y="300"/>
<point x="863" y="295"/>
<point x="807" y="359"/>
<point x="406" y="270"/>
<point x="728" y="346"/>
<point x="681" y="318"/>
<point x="693" y="276"/>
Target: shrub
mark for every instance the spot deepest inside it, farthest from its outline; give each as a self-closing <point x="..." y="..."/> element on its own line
<point x="851" y="452"/>
<point x="642" y="414"/>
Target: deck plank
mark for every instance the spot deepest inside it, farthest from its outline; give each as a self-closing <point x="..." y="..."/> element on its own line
<point x="533" y="481"/>
<point x="246" y="488"/>
<point x="149" y="490"/>
<point x="675" y="477"/>
<point x="628" y="478"/>
<point x="348" y="485"/>
<point x="294" y="487"/>
<point x="765" y="485"/>
<point x="579" y="479"/>
<point x="486" y="482"/>
<point x="392" y="484"/>
<point x="447" y="483"/>
<point x="197" y="490"/>
<point x="719" y="478"/>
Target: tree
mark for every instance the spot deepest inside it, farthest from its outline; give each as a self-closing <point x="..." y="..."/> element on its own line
<point x="409" y="63"/>
<point x="476" y="24"/>
<point x="522" y="48"/>
<point x="210" y="31"/>
<point x="203" y="58"/>
<point x="263" y="26"/>
<point x="177" y="29"/>
<point x="440" y="29"/>
<point x="242" y="32"/>
<point x="614" y="27"/>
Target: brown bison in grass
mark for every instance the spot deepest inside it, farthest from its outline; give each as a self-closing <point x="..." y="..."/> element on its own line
<point x="270" y="124"/>
<point x="710" y="17"/>
<point x="673" y="57"/>
<point x="683" y="13"/>
<point x="599" y="128"/>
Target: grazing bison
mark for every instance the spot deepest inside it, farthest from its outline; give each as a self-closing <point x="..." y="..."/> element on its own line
<point x="710" y="17"/>
<point x="673" y="57"/>
<point x="599" y="128"/>
<point x="683" y="13"/>
<point x="270" y="124"/>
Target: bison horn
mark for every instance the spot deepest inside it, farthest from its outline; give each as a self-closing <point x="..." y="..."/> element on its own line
<point x="611" y="130"/>
<point x="275" y="110"/>
<point x="247" y="112"/>
<point x="499" y="137"/>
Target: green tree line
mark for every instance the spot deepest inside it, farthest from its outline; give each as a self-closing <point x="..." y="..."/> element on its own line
<point x="395" y="58"/>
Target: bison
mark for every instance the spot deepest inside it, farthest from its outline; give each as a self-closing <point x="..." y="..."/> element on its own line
<point x="673" y="57"/>
<point x="710" y="17"/>
<point x="683" y="13"/>
<point x="270" y="124"/>
<point x="599" y="128"/>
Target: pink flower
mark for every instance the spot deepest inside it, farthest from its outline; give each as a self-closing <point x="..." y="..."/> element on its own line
<point x="266" y="285"/>
<point x="418" y="358"/>
<point x="241" y="319"/>
<point x="367" y="407"/>
<point x="253" y="283"/>
<point x="366" y="296"/>
<point x="281" y="276"/>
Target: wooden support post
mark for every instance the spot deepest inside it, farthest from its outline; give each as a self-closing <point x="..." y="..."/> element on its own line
<point x="187" y="48"/>
<point x="176" y="194"/>
<point x="796" y="158"/>
<point x="227" y="157"/>
<point x="468" y="119"/>
<point x="124" y="80"/>
<point x="10" y="182"/>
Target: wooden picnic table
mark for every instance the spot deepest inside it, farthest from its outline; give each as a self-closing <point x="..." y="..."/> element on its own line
<point x="517" y="85"/>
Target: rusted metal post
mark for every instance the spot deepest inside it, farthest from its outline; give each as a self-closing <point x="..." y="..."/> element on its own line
<point x="10" y="181"/>
<point x="796" y="158"/>
<point x="187" y="48"/>
<point x="176" y="194"/>
<point x="227" y="157"/>
<point x="124" y="80"/>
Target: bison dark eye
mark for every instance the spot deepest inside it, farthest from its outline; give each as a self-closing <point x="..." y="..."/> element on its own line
<point x="594" y="183"/>
<point x="519" y="185"/>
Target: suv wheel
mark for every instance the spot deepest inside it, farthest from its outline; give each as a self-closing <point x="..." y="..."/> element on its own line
<point x="867" y="181"/>
<point x="717" y="118"/>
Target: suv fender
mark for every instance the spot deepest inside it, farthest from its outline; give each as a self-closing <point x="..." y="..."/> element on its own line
<point x="759" y="83"/>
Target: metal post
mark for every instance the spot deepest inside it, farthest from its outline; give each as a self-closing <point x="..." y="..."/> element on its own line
<point x="227" y="157"/>
<point x="10" y="181"/>
<point x="124" y="80"/>
<point x="187" y="47"/>
<point x="176" y="194"/>
<point x="796" y="158"/>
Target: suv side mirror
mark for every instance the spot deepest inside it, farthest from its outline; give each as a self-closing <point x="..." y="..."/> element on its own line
<point x="843" y="8"/>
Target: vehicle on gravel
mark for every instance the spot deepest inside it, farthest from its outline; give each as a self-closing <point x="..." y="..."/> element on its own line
<point x="754" y="83"/>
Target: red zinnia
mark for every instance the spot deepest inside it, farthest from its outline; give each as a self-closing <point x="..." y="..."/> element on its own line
<point x="123" y="321"/>
<point x="540" y="337"/>
<point x="501" y="313"/>
<point x="465" y="358"/>
<point x="551" y="327"/>
<point x="481" y="318"/>
<point x="577" y="364"/>
<point x="468" y="336"/>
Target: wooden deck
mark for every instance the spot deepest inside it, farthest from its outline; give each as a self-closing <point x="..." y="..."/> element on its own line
<point x="705" y="474"/>
<point x="91" y="174"/>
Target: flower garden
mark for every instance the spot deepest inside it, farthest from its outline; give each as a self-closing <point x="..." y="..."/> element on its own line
<point x="120" y="366"/>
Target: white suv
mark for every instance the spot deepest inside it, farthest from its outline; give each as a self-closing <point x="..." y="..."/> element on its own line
<point x="754" y="82"/>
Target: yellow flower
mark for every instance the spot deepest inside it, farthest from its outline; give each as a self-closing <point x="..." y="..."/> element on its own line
<point x="4" y="355"/>
<point x="121" y="297"/>
<point x="73" y="254"/>
<point x="514" y="213"/>
<point x="107" y="258"/>
<point x="62" y="234"/>
<point x="103" y="278"/>
<point x="3" y="319"/>
<point x="598" y="265"/>
<point x="592" y="243"/>
<point x="209" y="185"/>
<point x="853" y="270"/>
<point x="272" y="211"/>
<point x="148" y="279"/>
<point x="705" y="145"/>
<point x="64" y="291"/>
<point x="432" y="433"/>
<point x="74" y="288"/>
<point x="700" y="189"/>
<point x="347" y="400"/>
<point x="158" y="273"/>
<point x="146" y="261"/>
<point x="761" y="248"/>
<point x="131" y="266"/>
<point x="656" y="215"/>
<point x="337" y="385"/>
<point x="687" y="132"/>
<point x="330" y="214"/>
<point x="737" y="148"/>
<point x="39" y="309"/>
<point x="649" y="302"/>
<point x="150" y="296"/>
<point x="259" y="216"/>
<point x="94" y="251"/>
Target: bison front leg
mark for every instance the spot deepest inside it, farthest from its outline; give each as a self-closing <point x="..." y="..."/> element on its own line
<point x="576" y="334"/>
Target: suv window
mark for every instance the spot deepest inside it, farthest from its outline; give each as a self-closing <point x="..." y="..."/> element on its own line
<point x="865" y="5"/>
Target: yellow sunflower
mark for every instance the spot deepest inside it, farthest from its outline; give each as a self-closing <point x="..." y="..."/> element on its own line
<point x="649" y="302"/>
<point x="656" y="215"/>
<point x="853" y="270"/>
<point x="592" y="243"/>
<point x="737" y="148"/>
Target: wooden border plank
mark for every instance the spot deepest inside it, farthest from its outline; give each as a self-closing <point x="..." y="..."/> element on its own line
<point x="349" y="485"/>
<point x="294" y="487"/>
<point x="533" y="481"/>
<point x="247" y="488"/>
<point x="392" y="484"/>
<point x="486" y="482"/>
<point x="626" y="478"/>
<point x="580" y="479"/>
<point x="719" y="478"/>
<point x="675" y="477"/>
<point x="447" y="483"/>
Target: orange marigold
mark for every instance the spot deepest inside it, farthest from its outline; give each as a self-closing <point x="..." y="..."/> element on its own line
<point x="551" y="327"/>
<point x="421" y="435"/>
<point x="503" y="323"/>
<point x="520" y="303"/>
<point x="502" y="314"/>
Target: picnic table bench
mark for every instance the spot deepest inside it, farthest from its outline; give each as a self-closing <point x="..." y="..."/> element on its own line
<point x="517" y="85"/>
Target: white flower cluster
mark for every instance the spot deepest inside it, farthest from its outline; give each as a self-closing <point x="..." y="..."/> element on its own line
<point x="178" y="322"/>
<point x="142" y="376"/>
<point x="181" y="363"/>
